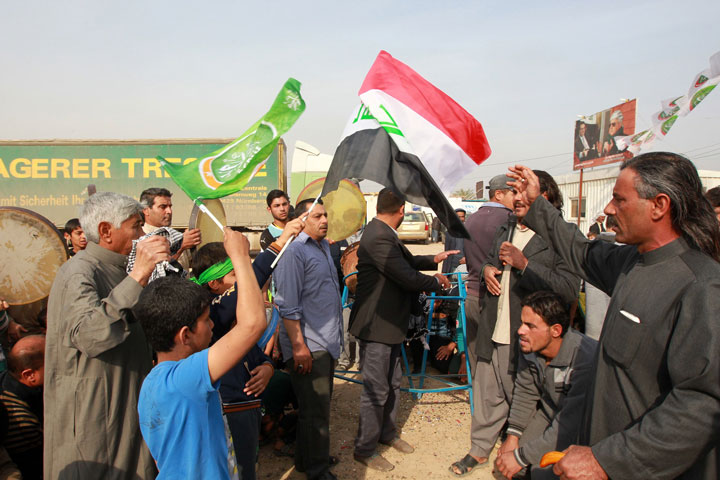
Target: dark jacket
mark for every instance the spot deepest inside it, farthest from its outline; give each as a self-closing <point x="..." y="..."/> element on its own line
<point x="653" y="408"/>
<point x="552" y="395"/>
<point x="481" y="226"/>
<point x="388" y="283"/>
<point x="222" y="313"/>
<point x="545" y="271"/>
<point x="452" y="262"/>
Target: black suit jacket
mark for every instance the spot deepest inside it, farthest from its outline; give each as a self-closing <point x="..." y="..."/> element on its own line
<point x="388" y="283"/>
<point x="545" y="271"/>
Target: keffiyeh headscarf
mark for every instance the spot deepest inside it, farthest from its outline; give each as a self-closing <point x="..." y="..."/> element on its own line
<point x="163" y="267"/>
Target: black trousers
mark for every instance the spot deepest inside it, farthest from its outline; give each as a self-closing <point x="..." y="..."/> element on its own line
<point x="380" y="368"/>
<point x="313" y="391"/>
<point x="245" y="431"/>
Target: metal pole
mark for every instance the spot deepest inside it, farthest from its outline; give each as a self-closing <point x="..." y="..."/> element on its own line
<point x="579" y="210"/>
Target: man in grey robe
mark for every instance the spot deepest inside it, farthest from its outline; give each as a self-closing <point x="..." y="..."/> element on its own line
<point x="96" y="354"/>
<point x="653" y="408"/>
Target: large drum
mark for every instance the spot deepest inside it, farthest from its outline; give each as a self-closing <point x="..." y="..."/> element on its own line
<point x="210" y="231"/>
<point x="31" y="252"/>
<point x="346" y="207"/>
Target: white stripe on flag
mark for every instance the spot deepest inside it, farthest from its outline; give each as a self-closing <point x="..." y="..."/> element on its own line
<point x="446" y="162"/>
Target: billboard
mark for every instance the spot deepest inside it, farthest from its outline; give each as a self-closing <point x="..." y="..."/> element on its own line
<point x="594" y="139"/>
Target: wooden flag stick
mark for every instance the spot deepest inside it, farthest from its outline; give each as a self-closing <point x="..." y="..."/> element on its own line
<point x="207" y="212"/>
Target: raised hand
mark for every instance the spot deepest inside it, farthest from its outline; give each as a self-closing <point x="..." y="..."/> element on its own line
<point x="148" y="253"/>
<point x="236" y="244"/>
<point x="526" y="183"/>
<point x="292" y="229"/>
<point x="191" y="238"/>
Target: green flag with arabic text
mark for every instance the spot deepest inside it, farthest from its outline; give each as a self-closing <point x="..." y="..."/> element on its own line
<point x="229" y="169"/>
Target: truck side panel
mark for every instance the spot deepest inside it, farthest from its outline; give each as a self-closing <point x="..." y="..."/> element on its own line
<point x="51" y="178"/>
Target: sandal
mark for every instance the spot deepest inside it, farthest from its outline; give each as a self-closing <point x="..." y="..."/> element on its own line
<point x="465" y="466"/>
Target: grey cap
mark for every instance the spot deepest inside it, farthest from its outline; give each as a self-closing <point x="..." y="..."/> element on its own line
<point x="499" y="182"/>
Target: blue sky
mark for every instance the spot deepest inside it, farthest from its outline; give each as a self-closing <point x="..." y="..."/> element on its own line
<point x="181" y="69"/>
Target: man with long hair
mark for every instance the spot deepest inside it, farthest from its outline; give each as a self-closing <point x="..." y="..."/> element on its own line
<point x="653" y="408"/>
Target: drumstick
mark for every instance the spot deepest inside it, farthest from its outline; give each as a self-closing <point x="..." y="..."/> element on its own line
<point x="551" y="458"/>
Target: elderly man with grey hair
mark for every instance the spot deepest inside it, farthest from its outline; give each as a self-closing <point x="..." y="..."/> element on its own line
<point x="96" y="352"/>
<point x="615" y="129"/>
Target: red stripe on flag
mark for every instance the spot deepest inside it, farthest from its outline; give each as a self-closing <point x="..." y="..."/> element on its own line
<point x="407" y="86"/>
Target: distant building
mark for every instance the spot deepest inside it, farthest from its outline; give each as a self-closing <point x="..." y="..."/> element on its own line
<point x="597" y="190"/>
<point x="308" y="164"/>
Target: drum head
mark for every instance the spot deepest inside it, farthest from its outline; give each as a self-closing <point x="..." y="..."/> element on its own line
<point x="210" y="231"/>
<point x="31" y="252"/>
<point x="345" y="207"/>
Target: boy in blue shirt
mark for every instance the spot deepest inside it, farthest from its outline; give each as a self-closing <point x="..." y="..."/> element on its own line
<point x="242" y="386"/>
<point x="180" y="410"/>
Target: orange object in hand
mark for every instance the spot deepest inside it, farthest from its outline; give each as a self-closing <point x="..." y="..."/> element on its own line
<point x="551" y="458"/>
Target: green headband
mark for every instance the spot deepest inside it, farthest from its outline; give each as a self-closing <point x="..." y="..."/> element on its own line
<point x="216" y="272"/>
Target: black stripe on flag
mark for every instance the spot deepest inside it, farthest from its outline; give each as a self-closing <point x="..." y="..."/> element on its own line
<point x="371" y="154"/>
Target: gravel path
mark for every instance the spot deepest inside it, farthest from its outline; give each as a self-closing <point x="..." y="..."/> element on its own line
<point x="437" y="425"/>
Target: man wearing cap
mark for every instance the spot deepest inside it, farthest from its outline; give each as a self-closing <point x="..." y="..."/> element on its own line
<point x="518" y="263"/>
<point x="481" y="226"/>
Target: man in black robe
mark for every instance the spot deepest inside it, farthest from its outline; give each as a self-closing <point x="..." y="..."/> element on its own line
<point x="653" y="408"/>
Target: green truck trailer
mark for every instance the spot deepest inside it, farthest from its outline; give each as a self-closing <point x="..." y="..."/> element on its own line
<point x="54" y="177"/>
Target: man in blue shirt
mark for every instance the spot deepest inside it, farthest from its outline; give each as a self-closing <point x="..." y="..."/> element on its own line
<point x="308" y="298"/>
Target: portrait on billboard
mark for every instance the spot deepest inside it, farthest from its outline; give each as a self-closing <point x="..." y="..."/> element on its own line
<point x="594" y="140"/>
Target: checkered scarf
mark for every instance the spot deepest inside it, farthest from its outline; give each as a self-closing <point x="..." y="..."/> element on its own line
<point x="163" y="267"/>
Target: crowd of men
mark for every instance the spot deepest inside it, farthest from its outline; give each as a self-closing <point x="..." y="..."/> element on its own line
<point x="156" y="363"/>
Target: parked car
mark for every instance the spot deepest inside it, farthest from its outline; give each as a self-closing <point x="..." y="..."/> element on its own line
<point x="415" y="227"/>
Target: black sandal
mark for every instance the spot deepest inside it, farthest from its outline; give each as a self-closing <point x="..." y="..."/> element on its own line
<point x="464" y="466"/>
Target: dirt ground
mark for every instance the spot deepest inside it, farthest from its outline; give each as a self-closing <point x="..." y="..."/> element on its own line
<point x="437" y="425"/>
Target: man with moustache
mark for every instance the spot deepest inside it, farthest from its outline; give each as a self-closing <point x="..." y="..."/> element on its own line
<point x="554" y="372"/>
<point x="652" y="409"/>
<point x="158" y="213"/>
<point x="308" y="299"/>
<point x="528" y="264"/>
<point x="96" y="353"/>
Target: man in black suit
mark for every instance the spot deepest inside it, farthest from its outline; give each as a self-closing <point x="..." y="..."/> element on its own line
<point x="388" y="283"/>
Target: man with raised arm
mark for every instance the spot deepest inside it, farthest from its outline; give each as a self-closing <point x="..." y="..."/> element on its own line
<point x="653" y="408"/>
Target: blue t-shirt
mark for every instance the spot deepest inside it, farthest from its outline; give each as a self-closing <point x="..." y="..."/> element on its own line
<point x="181" y="419"/>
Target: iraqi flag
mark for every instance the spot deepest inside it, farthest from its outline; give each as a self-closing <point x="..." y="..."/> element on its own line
<point x="409" y="136"/>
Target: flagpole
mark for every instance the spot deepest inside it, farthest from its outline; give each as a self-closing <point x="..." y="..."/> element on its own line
<point x="293" y="237"/>
<point x="207" y="212"/>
